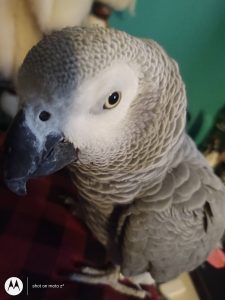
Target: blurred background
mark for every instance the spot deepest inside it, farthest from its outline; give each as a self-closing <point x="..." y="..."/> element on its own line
<point x="191" y="31"/>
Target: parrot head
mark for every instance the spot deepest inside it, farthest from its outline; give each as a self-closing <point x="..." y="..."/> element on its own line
<point x="96" y="97"/>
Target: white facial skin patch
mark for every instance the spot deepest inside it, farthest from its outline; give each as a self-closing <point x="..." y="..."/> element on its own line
<point x="89" y="124"/>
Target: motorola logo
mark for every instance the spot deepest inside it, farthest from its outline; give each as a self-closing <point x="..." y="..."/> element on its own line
<point x="13" y="286"/>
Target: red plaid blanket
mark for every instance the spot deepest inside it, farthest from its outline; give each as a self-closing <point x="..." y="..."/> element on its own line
<point x="41" y="242"/>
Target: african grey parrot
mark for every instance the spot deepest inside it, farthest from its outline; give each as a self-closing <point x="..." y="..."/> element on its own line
<point x="112" y="107"/>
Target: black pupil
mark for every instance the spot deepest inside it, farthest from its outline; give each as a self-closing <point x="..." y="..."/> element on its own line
<point x="44" y="116"/>
<point x="113" y="98"/>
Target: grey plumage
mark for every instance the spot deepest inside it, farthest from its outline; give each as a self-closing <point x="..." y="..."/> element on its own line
<point x="148" y="194"/>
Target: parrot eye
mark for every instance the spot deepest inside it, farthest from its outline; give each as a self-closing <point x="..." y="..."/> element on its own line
<point x="113" y="100"/>
<point x="44" y="116"/>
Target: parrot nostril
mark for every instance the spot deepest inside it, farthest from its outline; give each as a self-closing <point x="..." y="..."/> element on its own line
<point x="44" y="116"/>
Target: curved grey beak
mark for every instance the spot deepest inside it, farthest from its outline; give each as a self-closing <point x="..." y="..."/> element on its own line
<point x="25" y="157"/>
